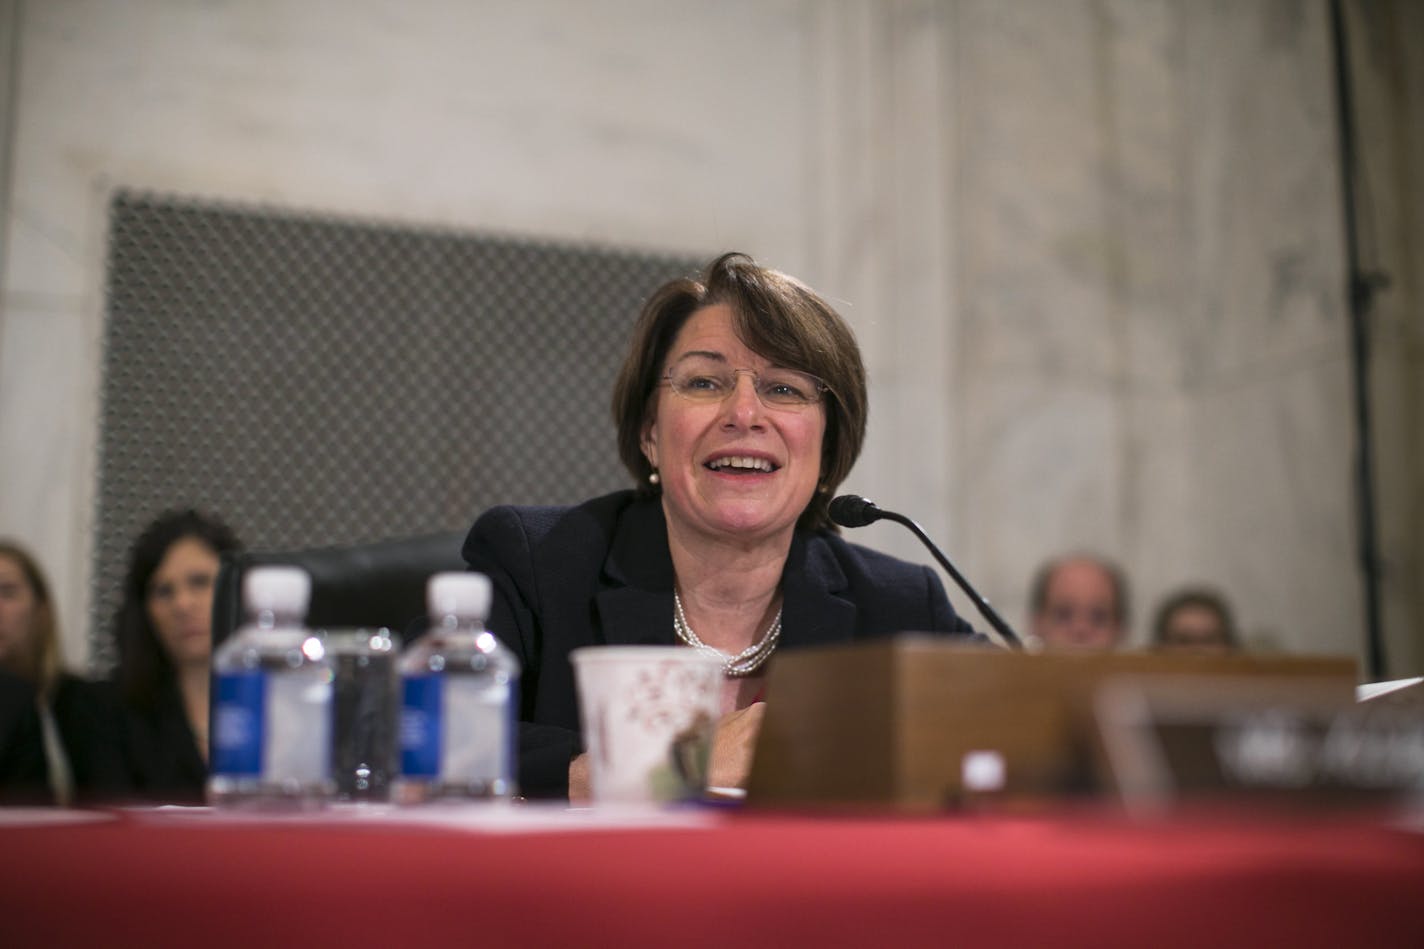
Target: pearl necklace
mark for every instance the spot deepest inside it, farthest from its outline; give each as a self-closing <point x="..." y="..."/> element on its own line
<point x="744" y="663"/>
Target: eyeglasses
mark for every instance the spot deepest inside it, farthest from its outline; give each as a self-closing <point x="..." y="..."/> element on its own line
<point x="705" y="381"/>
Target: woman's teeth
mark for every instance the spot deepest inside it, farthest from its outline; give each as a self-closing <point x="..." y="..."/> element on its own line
<point x="740" y="463"/>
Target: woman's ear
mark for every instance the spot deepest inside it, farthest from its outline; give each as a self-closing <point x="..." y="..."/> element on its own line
<point x="649" y="443"/>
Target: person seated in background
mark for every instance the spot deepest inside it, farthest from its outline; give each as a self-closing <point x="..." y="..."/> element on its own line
<point x="740" y="406"/>
<point x="1195" y="619"/>
<point x="24" y="773"/>
<point x="30" y="651"/>
<point x="1079" y="602"/>
<point x="163" y="631"/>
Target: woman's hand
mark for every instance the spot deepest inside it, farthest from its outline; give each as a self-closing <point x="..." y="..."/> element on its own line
<point x="580" y="791"/>
<point x="731" y="762"/>
<point x="732" y="749"/>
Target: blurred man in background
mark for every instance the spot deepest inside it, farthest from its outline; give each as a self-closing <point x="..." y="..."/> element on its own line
<point x="1079" y="602"/>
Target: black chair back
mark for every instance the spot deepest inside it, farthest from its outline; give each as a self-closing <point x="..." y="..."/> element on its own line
<point x="380" y="584"/>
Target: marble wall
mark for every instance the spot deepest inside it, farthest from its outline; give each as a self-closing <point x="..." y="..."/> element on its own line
<point x="1091" y="247"/>
<point x="1153" y="340"/>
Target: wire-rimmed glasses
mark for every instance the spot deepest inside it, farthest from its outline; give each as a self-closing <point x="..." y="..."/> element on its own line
<point x="707" y="380"/>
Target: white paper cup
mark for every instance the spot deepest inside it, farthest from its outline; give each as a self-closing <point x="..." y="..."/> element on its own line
<point x="649" y="715"/>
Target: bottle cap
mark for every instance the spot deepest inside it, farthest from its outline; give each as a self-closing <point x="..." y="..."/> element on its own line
<point x="983" y="771"/>
<point x="466" y="595"/>
<point x="280" y="590"/>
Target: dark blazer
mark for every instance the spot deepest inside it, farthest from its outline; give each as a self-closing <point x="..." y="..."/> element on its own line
<point x="87" y="720"/>
<point x="24" y="773"/>
<point x="601" y="573"/>
<point x="161" y="752"/>
<point x="123" y="752"/>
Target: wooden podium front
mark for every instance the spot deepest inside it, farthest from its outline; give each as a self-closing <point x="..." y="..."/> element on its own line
<point x="890" y="722"/>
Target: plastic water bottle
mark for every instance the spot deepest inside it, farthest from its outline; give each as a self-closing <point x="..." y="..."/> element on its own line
<point x="271" y="732"/>
<point x="459" y="692"/>
<point x="365" y="712"/>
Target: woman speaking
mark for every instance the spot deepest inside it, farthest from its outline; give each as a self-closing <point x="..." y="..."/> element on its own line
<point x="740" y="406"/>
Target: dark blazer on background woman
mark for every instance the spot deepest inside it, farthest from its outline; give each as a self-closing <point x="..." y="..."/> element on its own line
<point x="24" y="775"/>
<point x="125" y="753"/>
<point x="164" y="763"/>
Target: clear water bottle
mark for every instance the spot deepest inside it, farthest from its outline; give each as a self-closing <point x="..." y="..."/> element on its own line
<point x="365" y="710"/>
<point x="271" y="727"/>
<point x="459" y="693"/>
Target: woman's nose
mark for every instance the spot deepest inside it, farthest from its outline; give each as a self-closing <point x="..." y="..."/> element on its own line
<point x="187" y="600"/>
<point x="744" y="404"/>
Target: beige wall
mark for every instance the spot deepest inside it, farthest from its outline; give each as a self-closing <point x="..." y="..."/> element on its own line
<point x="1092" y="247"/>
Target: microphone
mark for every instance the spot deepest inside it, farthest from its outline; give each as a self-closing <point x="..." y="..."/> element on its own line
<point x="852" y="510"/>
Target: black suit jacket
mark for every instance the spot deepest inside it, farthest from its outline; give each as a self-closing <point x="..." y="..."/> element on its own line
<point x="164" y="763"/>
<point x="123" y="752"/>
<point x="89" y="729"/>
<point x="600" y="573"/>
<point x="24" y="773"/>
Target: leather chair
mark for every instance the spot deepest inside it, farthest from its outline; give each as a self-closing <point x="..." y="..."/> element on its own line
<point x="380" y="584"/>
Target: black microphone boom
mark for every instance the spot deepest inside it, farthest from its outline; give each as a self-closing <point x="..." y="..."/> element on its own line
<point x="851" y="510"/>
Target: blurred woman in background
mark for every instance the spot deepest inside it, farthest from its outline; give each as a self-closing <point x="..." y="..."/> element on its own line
<point x="30" y="651"/>
<point x="1195" y="619"/>
<point x="163" y="630"/>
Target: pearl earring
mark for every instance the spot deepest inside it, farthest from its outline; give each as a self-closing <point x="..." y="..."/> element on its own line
<point x="653" y="477"/>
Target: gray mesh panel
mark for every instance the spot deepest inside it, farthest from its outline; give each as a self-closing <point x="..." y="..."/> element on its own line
<point x="314" y="380"/>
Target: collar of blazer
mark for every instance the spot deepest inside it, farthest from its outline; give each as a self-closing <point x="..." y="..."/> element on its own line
<point x="634" y="600"/>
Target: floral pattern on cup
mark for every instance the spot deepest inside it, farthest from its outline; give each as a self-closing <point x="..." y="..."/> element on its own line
<point x="649" y="720"/>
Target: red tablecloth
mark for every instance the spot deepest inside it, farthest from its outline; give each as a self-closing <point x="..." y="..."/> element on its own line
<point x="747" y="880"/>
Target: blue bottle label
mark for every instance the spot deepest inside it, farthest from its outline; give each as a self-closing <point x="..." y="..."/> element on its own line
<point x="421" y="726"/>
<point x="239" y="720"/>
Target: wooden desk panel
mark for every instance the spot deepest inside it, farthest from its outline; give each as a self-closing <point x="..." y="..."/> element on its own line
<point x="889" y="723"/>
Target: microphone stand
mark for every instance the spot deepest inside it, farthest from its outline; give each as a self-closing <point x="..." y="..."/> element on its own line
<point x="1360" y="291"/>
<point x="1005" y="632"/>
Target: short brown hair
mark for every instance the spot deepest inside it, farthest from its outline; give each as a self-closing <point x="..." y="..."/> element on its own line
<point x="779" y="318"/>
